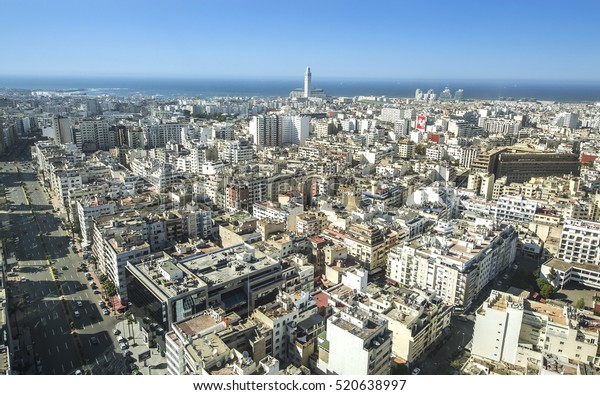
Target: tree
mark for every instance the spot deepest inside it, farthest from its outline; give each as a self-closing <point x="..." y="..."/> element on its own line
<point x="546" y="289"/>
<point x="552" y="274"/>
<point x="580" y="304"/>
<point x="420" y="149"/>
<point x="455" y="364"/>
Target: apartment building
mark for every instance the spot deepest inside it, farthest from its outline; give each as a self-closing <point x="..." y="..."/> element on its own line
<point x="456" y="269"/>
<point x="513" y="329"/>
<point x="579" y="242"/>
<point x="357" y="342"/>
<point x="516" y="209"/>
<point x="369" y="245"/>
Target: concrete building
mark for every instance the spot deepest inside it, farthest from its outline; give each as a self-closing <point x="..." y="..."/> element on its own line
<point x="357" y="342"/>
<point x="233" y="278"/>
<point x="510" y="328"/>
<point x="456" y="269"/>
<point x="520" y="164"/>
<point x="87" y="210"/>
<point x="559" y="273"/>
<point x="369" y="245"/>
<point x="515" y="209"/>
<point x="417" y="320"/>
<point x="579" y="242"/>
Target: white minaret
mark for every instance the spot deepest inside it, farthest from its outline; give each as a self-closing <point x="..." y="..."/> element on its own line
<point x="307" y="82"/>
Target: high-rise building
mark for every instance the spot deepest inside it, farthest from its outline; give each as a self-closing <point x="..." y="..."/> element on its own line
<point x="93" y="107"/>
<point x="458" y="95"/>
<point x="62" y="129"/>
<point x="307" y="87"/>
<point x="277" y="130"/>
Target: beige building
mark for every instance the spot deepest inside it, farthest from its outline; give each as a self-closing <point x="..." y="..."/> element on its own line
<point x="369" y="245"/>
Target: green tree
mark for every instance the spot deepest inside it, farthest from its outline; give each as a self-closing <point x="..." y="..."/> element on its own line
<point x="580" y="304"/>
<point x="455" y="364"/>
<point x="546" y="289"/>
<point x="552" y="275"/>
<point x="420" y="149"/>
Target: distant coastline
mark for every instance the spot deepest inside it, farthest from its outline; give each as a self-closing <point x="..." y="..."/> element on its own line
<point x="170" y="88"/>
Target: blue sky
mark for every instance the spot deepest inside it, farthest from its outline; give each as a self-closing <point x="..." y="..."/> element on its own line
<point x="510" y="39"/>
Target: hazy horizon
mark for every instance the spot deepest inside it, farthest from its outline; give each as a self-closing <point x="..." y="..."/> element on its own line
<point x="432" y="40"/>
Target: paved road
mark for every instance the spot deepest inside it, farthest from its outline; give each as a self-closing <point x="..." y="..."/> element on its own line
<point x="52" y="299"/>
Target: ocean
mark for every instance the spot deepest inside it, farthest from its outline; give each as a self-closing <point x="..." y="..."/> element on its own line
<point x="171" y="88"/>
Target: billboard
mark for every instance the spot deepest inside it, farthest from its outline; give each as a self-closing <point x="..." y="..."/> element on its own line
<point x="421" y="121"/>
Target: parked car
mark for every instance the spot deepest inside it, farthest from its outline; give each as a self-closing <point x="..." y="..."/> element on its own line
<point x="106" y="312"/>
<point x="416" y="371"/>
<point x="94" y="340"/>
<point x="115" y="331"/>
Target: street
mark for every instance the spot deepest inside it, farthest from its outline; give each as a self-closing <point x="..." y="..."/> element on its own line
<point x="46" y="289"/>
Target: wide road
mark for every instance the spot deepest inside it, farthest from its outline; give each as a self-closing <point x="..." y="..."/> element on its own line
<point x="63" y="340"/>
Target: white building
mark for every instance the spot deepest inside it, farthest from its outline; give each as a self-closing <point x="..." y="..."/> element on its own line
<point x="357" y="343"/>
<point x="457" y="270"/>
<point x="515" y="209"/>
<point x="579" y="242"/>
<point x="510" y="328"/>
<point x="237" y="151"/>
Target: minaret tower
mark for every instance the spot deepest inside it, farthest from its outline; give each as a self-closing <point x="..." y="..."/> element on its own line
<point x="307" y="87"/>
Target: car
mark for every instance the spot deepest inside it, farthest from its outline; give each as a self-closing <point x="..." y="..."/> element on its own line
<point x="79" y="269"/>
<point x="76" y="314"/>
<point x="416" y="371"/>
<point x="121" y="339"/>
<point x="78" y="372"/>
<point x="102" y="304"/>
<point x="97" y="292"/>
<point x="65" y="268"/>
<point x="515" y="267"/>
<point x="94" y="340"/>
<point x="79" y="303"/>
<point x="505" y="277"/>
<point x="105" y="312"/>
<point x="124" y="346"/>
<point x="92" y="283"/>
<point x="23" y="280"/>
<point x="115" y="331"/>
<point x="499" y="284"/>
<point x="94" y="286"/>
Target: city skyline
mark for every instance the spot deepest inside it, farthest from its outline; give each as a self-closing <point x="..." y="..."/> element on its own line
<point x="436" y="40"/>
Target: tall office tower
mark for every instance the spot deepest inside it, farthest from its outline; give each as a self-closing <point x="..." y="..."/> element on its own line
<point x="95" y="134"/>
<point x="458" y="95"/>
<point x="62" y="129"/>
<point x="446" y="94"/>
<point x="307" y="87"/>
<point x="419" y="94"/>
<point x="265" y="130"/>
<point x="93" y="107"/>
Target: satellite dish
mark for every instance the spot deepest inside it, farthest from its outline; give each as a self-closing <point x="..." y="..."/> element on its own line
<point x="245" y="354"/>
